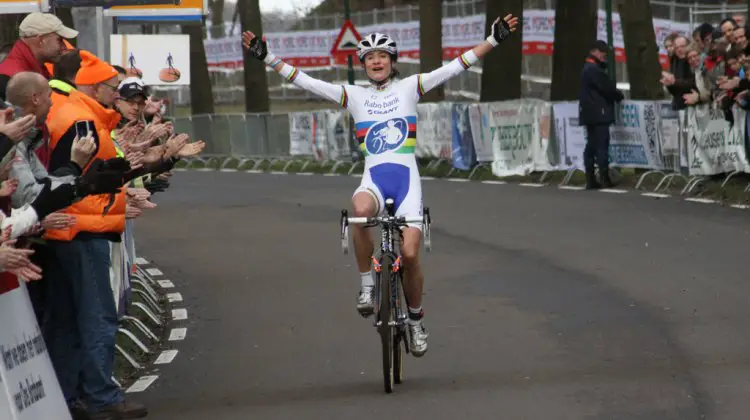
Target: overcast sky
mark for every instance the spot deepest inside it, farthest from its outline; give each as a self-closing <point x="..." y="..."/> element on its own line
<point x="286" y="5"/>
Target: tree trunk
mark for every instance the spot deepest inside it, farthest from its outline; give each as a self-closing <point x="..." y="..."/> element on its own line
<point x="201" y="93"/>
<point x="575" y="31"/>
<point x="430" y="43"/>
<point x="641" y="50"/>
<point x="256" y="85"/>
<point x="501" y="70"/>
<point x="217" y="19"/>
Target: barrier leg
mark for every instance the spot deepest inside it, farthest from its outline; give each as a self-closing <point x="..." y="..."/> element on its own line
<point x="354" y="166"/>
<point x="646" y="174"/>
<point x="141" y="326"/>
<point x="304" y="165"/>
<point x="128" y="357"/>
<point x="146" y="288"/>
<point x="154" y="306"/>
<point x="148" y="313"/>
<point x="134" y="339"/>
<point x="731" y="174"/>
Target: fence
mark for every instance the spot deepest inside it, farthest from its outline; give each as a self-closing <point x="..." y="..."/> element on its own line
<point x="508" y="138"/>
<point x="28" y="385"/>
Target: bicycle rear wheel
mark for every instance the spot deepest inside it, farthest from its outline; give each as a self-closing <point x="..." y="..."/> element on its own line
<point x="385" y="316"/>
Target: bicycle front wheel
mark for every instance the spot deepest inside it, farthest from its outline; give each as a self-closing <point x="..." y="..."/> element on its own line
<point x="385" y="317"/>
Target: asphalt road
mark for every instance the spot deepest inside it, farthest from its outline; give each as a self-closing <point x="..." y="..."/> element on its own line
<point x="541" y="304"/>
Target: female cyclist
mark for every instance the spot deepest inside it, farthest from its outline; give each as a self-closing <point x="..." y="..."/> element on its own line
<point x="385" y="117"/>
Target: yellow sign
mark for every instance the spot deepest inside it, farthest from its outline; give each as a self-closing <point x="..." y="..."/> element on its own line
<point x="8" y="7"/>
<point x="185" y="10"/>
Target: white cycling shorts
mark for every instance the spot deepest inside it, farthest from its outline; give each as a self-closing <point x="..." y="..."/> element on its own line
<point x="396" y="181"/>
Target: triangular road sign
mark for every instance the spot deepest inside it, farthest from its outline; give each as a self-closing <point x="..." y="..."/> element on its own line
<point x="347" y="40"/>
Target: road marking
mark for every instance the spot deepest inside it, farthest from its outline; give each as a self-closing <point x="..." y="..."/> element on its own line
<point x="165" y="284"/>
<point x="428" y="178"/>
<point x="458" y="180"/>
<point x="329" y="174"/>
<point x="613" y="191"/>
<point x="531" y="184"/>
<point x="180" y="169"/>
<point x="154" y="272"/>
<point x="701" y="200"/>
<point x="494" y="182"/>
<point x="141" y="261"/>
<point x="357" y="175"/>
<point x="228" y="170"/>
<point x="254" y="171"/>
<point x="177" y="334"/>
<point x="166" y="357"/>
<point x="656" y="195"/>
<point x="205" y="169"/>
<point x="142" y="383"/>
<point x="278" y="173"/>
<point x="174" y="297"/>
<point x="740" y="206"/>
<point x="179" y="314"/>
<point x="305" y="173"/>
<point x="571" y="187"/>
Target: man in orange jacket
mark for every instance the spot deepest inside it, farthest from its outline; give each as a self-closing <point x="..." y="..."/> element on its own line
<point x="80" y="316"/>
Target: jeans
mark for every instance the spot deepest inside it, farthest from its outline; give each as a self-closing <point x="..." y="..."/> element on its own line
<point x="80" y="321"/>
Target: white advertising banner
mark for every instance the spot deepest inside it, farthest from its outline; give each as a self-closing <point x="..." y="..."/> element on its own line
<point x="714" y="146"/>
<point x="312" y="48"/>
<point x="480" y="129"/>
<point x="512" y="130"/>
<point x="305" y="134"/>
<point x="434" y="130"/>
<point x="161" y="59"/>
<point x="634" y="137"/>
<point x="571" y="137"/>
<point x="29" y="384"/>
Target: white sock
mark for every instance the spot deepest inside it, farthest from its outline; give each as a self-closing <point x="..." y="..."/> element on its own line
<point x="367" y="281"/>
<point x="414" y="313"/>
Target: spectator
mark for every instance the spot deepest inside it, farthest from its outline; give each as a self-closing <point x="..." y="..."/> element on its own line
<point x="702" y="91"/>
<point x="81" y="317"/>
<point x="597" y="112"/>
<point x="680" y="78"/>
<point x="669" y="43"/>
<point x="739" y="19"/>
<point x="740" y="39"/>
<point x="727" y="27"/>
<point x="41" y="41"/>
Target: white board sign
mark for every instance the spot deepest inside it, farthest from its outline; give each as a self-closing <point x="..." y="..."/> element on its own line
<point x="157" y="59"/>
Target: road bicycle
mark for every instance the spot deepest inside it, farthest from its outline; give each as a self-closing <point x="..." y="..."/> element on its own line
<point x="390" y="308"/>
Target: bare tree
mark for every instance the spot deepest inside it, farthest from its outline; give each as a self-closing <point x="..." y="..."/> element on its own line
<point x="431" y="43"/>
<point x="501" y="70"/>
<point x="641" y="51"/>
<point x="575" y="31"/>
<point x="201" y="92"/>
<point x="256" y="84"/>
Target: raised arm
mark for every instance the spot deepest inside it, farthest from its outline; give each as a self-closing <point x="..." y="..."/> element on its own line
<point x="259" y="49"/>
<point x="501" y="29"/>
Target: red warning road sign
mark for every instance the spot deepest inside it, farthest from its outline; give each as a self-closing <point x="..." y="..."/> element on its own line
<point x="346" y="42"/>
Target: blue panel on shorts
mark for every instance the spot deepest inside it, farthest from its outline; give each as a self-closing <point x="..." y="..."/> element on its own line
<point x="392" y="180"/>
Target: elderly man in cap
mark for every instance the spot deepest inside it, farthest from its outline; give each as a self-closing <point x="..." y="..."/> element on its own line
<point x="41" y="41"/>
<point x="596" y="109"/>
<point x="81" y="318"/>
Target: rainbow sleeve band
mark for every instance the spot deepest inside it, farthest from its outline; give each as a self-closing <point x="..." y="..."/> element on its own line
<point x="468" y="59"/>
<point x="289" y="72"/>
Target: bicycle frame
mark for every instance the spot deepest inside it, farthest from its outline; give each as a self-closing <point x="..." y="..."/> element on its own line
<point x="393" y="332"/>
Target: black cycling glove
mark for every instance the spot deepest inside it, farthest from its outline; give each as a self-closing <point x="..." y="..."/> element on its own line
<point x="500" y="30"/>
<point x="258" y="48"/>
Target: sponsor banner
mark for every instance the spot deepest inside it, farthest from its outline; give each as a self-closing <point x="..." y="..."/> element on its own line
<point x="29" y="388"/>
<point x="480" y="132"/>
<point x="571" y="137"/>
<point x="337" y="135"/>
<point x="463" y="147"/>
<point x="307" y="134"/>
<point x="312" y="48"/>
<point x="713" y="145"/>
<point x="634" y="136"/>
<point x="513" y="126"/>
<point x="434" y="130"/>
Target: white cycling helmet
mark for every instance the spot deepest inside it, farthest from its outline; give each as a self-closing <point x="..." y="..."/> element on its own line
<point x="377" y="42"/>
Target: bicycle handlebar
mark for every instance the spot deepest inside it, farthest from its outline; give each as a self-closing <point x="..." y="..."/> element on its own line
<point x="383" y="219"/>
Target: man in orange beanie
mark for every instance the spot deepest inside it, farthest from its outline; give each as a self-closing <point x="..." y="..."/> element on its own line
<point x="80" y="315"/>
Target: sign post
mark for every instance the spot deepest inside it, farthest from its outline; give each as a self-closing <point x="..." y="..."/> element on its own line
<point x="346" y="46"/>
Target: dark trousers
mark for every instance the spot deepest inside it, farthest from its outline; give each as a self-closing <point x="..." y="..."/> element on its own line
<point x="597" y="150"/>
<point x="80" y="321"/>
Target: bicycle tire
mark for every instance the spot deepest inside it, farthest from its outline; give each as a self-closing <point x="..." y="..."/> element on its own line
<point x="385" y="316"/>
<point x="399" y="335"/>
